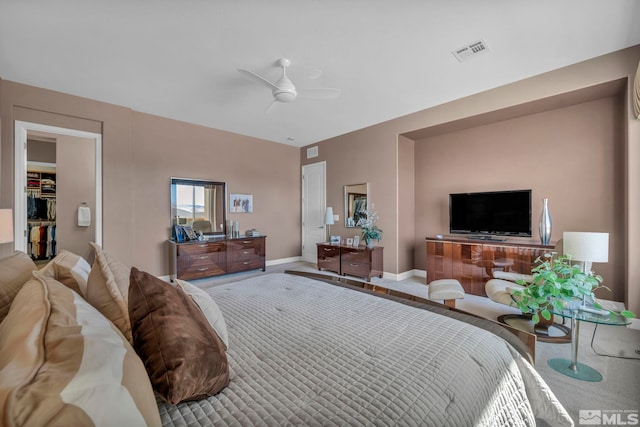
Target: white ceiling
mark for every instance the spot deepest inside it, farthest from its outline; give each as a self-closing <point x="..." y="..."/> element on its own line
<point x="178" y="59"/>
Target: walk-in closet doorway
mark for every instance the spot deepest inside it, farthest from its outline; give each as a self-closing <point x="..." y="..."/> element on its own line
<point x="58" y="197"/>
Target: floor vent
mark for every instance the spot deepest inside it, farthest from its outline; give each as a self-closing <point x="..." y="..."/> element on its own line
<point x="473" y="49"/>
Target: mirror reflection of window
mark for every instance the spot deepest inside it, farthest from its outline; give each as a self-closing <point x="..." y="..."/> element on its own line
<point x="191" y="204"/>
<point x="355" y="199"/>
<point x="200" y="203"/>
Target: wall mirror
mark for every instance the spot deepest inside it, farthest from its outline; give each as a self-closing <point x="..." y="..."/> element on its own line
<point x="199" y="204"/>
<point x="355" y="203"/>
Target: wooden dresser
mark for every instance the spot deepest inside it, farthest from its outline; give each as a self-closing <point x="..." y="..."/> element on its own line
<point x="472" y="262"/>
<point x="355" y="261"/>
<point x="198" y="259"/>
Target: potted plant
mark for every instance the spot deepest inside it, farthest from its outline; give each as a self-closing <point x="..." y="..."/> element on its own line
<point x="557" y="285"/>
<point x="370" y="231"/>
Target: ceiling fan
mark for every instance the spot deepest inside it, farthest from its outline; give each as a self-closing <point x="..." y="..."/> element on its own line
<point x="284" y="90"/>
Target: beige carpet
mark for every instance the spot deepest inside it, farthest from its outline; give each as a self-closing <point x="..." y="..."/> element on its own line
<point x="619" y="389"/>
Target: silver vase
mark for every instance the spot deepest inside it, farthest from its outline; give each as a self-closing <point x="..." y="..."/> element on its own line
<point x="545" y="223"/>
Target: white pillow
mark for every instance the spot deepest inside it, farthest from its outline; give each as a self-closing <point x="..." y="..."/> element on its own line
<point x="208" y="307"/>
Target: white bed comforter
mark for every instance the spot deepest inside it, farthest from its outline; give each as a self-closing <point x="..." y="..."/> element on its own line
<point x="303" y="352"/>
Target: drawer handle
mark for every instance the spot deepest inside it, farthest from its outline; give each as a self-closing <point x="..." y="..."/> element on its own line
<point x="354" y="253"/>
<point x="328" y="249"/>
<point x="354" y="265"/>
<point x="247" y="241"/>
<point x="246" y="252"/>
<point x="203" y="269"/>
<point x="202" y="246"/>
<point x="246" y="263"/>
<point x="202" y="257"/>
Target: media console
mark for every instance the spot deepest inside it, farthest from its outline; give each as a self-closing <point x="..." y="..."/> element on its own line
<point x="472" y="263"/>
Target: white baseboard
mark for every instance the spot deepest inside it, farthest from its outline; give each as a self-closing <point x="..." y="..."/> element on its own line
<point x="283" y="260"/>
<point x="635" y="324"/>
<point x="420" y="273"/>
<point x="404" y="275"/>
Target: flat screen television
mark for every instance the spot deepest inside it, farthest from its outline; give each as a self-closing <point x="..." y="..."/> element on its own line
<point x="500" y="213"/>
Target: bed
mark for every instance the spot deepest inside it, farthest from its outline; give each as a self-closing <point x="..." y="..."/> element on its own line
<point x="305" y="352"/>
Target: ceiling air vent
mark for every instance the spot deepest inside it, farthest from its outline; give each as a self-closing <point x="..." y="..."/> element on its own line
<point x="470" y="50"/>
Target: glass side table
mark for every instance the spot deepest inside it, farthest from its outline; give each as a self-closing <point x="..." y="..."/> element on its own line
<point x="573" y="368"/>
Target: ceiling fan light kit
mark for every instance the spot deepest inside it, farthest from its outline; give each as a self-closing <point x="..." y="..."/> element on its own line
<point x="284" y="90"/>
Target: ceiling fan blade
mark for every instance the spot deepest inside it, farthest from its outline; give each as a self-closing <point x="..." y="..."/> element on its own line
<point x="258" y="78"/>
<point x="269" y="108"/>
<point x="320" y="93"/>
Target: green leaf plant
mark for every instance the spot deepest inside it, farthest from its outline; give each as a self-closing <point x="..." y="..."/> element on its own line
<point x="557" y="282"/>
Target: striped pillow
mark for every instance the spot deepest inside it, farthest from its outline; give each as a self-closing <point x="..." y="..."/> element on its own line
<point x="108" y="289"/>
<point x="15" y="271"/>
<point x="69" y="269"/>
<point x="63" y="363"/>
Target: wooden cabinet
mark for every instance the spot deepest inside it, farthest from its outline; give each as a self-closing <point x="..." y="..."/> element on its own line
<point x="472" y="263"/>
<point x="355" y="261"/>
<point x="201" y="259"/>
<point x="198" y="259"/>
<point x="329" y="257"/>
<point x="245" y="254"/>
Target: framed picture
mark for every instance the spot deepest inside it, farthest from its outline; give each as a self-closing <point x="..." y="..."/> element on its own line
<point x="349" y="241"/>
<point x="179" y="234"/>
<point x="335" y="240"/>
<point x="191" y="235"/>
<point x="241" y="203"/>
<point x="356" y="240"/>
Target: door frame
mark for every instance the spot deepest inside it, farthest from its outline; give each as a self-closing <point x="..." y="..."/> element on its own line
<point x="305" y="196"/>
<point x="20" y="177"/>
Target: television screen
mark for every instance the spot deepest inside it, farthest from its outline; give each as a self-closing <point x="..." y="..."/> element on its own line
<point x="497" y="212"/>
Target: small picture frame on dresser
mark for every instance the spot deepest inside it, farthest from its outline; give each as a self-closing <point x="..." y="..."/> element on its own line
<point x="349" y="241"/>
<point x="356" y="240"/>
<point x="335" y="240"/>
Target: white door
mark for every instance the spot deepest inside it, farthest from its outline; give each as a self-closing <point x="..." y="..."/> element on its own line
<point x="63" y="168"/>
<point x="313" y="209"/>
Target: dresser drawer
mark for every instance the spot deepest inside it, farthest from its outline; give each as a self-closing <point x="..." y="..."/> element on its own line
<point x="243" y="244"/>
<point x="194" y="260"/>
<point x="201" y="248"/>
<point x="356" y="256"/>
<point x="329" y="257"/>
<point x="244" y="265"/>
<point x="245" y="254"/>
<point x="361" y="261"/>
<point x="195" y="266"/>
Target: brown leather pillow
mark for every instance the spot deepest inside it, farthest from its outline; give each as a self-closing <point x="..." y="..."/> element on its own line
<point x="183" y="355"/>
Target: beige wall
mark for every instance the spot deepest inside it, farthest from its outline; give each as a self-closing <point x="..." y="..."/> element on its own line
<point x="141" y="152"/>
<point x="356" y="158"/>
<point x="75" y="184"/>
<point x="167" y="148"/>
<point x="573" y="156"/>
<point x="373" y="155"/>
<point x="406" y="209"/>
<point x="370" y="147"/>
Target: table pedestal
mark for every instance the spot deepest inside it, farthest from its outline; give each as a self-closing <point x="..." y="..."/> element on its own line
<point x="572" y="368"/>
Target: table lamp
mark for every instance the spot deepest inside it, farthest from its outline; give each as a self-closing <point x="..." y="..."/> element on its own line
<point x="586" y="247"/>
<point x="328" y="219"/>
<point x="6" y="226"/>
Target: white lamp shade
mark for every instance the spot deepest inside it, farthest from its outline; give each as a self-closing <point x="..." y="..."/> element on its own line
<point x="586" y="246"/>
<point x="328" y="219"/>
<point x="6" y="226"/>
